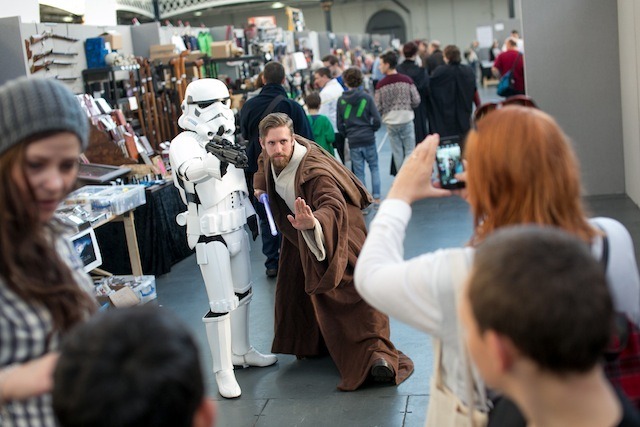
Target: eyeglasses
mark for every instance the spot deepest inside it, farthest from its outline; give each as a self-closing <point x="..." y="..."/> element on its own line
<point x="485" y="109"/>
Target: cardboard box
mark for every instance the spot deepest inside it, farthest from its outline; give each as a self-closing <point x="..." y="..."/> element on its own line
<point x="162" y="49"/>
<point x="123" y="296"/>
<point x="165" y="53"/>
<point x="114" y="39"/>
<point x="221" y="49"/>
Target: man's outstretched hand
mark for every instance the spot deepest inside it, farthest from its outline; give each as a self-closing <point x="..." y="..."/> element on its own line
<point x="303" y="219"/>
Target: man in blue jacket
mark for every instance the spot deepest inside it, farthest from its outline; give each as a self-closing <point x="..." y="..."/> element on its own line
<point x="272" y="99"/>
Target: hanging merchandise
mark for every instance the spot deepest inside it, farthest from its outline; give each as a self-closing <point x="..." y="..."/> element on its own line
<point x="38" y="38"/>
<point x="204" y="41"/>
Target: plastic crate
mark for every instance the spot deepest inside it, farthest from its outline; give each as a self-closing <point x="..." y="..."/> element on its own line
<point x="144" y="287"/>
<point x="95" y="51"/>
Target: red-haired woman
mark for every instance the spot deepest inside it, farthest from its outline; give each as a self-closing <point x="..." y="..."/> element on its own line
<point x="521" y="169"/>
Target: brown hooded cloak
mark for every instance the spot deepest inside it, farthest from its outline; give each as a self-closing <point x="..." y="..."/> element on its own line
<point x="317" y="308"/>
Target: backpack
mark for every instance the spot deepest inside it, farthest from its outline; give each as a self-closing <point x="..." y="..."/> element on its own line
<point x="622" y="355"/>
<point x="506" y="84"/>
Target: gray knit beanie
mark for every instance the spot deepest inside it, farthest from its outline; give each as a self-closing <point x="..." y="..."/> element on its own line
<point x="31" y="106"/>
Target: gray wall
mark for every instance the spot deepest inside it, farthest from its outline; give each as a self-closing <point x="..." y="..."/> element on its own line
<point x="11" y="46"/>
<point x="143" y="36"/>
<point x="573" y="72"/>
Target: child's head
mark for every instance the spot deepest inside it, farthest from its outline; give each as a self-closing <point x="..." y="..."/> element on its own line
<point x="137" y="366"/>
<point x="352" y="77"/>
<point x="531" y="289"/>
<point x="312" y="101"/>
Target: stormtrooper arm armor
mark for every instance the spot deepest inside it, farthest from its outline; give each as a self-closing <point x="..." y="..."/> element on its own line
<point x="198" y="169"/>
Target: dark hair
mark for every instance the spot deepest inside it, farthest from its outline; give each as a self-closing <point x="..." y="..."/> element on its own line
<point x="512" y="42"/>
<point x="543" y="289"/>
<point x="352" y="77"/>
<point x="390" y="58"/>
<point x="25" y="242"/>
<point x="128" y="367"/>
<point x="273" y="73"/>
<point x="331" y="59"/>
<point x="274" y="120"/>
<point x="410" y="49"/>
<point x="323" y="71"/>
<point x="452" y="53"/>
<point x="312" y="100"/>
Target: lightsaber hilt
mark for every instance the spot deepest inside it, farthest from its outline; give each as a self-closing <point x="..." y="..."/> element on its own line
<point x="264" y="199"/>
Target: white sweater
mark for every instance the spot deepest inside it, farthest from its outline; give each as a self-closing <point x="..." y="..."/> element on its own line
<point x="411" y="290"/>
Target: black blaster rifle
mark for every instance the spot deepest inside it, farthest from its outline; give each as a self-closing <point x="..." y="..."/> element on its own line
<point x="227" y="151"/>
<point x="39" y="56"/>
<point x="37" y="38"/>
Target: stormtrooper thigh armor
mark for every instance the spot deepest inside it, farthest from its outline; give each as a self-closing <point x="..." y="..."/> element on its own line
<point x="224" y="262"/>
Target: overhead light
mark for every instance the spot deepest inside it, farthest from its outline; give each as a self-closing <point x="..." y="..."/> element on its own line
<point x="67" y="18"/>
<point x="277" y="5"/>
<point x="197" y="13"/>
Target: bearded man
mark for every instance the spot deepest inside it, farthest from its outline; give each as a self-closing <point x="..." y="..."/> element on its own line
<point x="317" y="205"/>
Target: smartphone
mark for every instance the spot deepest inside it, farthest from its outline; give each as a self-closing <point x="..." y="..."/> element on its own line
<point x="449" y="162"/>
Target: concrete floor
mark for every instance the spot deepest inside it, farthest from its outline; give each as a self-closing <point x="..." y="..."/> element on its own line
<point x="303" y="392"/>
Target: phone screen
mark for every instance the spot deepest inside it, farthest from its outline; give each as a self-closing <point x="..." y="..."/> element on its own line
<point x="449" y="161"/>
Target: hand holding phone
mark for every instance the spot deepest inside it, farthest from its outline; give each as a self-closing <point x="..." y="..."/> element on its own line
<point x="413" y="181"/>
<point x="449" y="163"/>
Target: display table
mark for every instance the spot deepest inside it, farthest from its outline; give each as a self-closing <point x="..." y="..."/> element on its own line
<point x="161" y="241"/>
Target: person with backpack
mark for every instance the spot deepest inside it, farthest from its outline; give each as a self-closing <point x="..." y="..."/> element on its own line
<point x="511" y="60"/>
<point x="272" y="98"/>
<point x="358" y="120"/>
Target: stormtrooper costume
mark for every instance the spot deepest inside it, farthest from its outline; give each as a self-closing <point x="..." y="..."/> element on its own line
<point x="218" y="206"/>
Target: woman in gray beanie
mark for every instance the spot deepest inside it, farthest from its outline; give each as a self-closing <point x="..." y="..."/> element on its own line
<point x="43" y="290"/>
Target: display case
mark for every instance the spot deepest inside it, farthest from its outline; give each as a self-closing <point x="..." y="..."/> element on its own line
<point x="117" y="199"/>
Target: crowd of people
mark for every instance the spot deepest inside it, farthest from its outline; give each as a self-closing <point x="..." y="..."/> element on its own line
<point x="337" y="281"/>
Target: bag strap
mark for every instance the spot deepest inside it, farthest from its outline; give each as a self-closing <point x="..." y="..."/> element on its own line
<point x="604" y="257"/>
<point x="272" y="106"/>
<point x="513" y="66"/>
<point x="460" y="270"/>
<point x="622" y="325"/>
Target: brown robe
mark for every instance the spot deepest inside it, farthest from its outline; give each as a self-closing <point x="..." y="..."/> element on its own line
<point x="317" y="307"/>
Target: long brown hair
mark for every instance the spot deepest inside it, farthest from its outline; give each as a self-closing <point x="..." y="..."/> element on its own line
<point x="29" y="262"/>
<point x="522" y="169"/>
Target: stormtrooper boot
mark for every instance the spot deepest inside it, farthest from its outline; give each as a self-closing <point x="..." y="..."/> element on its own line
<point x="219" y="337"/>
<point x="243" y="355"/>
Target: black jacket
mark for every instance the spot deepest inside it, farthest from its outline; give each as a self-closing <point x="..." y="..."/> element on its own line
<point x="452" y="88"/>
<point x="357" y="118"/>
<point x="252" y="112"/>
<point x="420" y="77"/>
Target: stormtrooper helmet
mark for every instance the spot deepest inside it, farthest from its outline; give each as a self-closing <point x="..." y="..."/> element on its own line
<point x="205" y="109"/>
